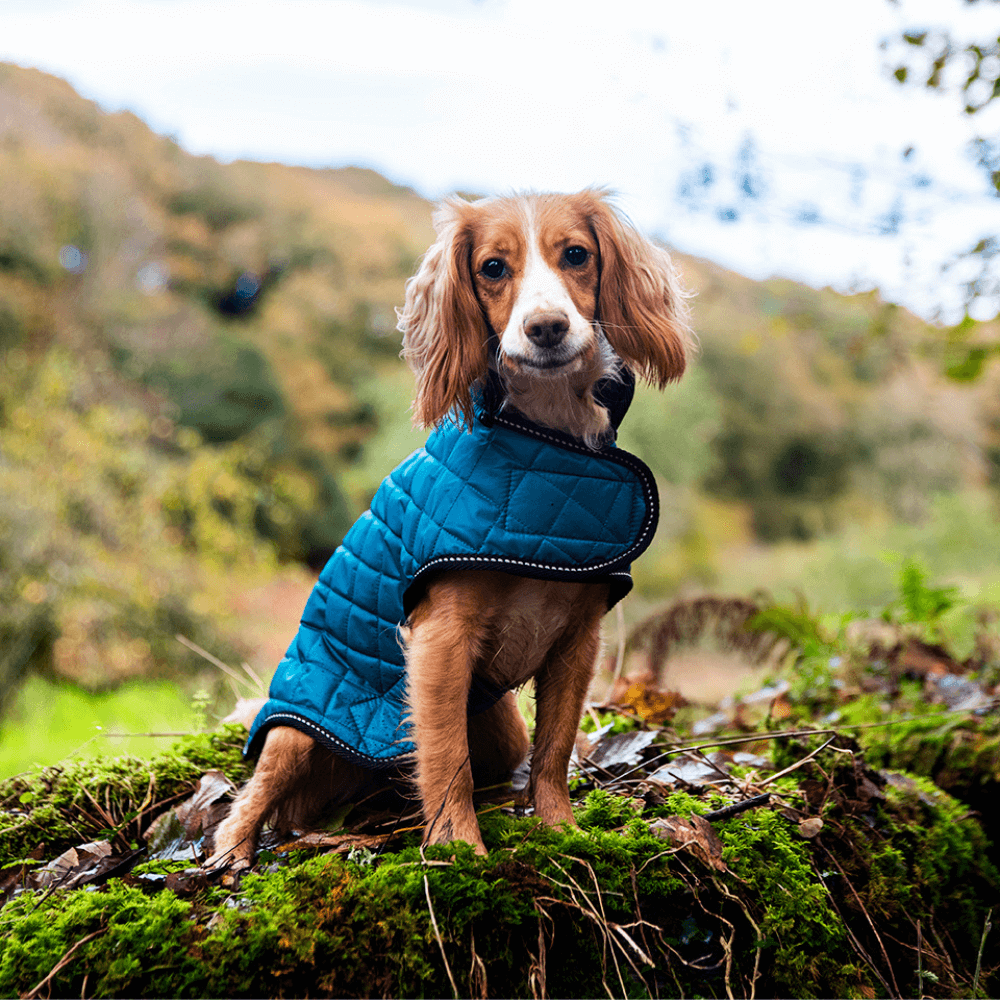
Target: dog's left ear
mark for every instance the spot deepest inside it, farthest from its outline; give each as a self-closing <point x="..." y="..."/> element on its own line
<point x="444" y="331"/>
<point x="641" y="304"/>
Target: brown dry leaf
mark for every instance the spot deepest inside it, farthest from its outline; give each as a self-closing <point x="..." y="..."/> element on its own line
<point x="339" y="843"/>
<point x="696" y="834"/>
<point x="67" y="868"/>
<point x="91" y="863"/>
<point x="914" y="658"/>
<point x="198" y="813"/>
<point x="648" y="702"/>
<point x="175" y="835"/>
<point x="809" y="828"/>
<point x="781" y="707"/>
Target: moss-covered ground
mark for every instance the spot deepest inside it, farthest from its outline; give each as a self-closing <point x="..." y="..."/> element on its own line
<point x="889" y="898"/>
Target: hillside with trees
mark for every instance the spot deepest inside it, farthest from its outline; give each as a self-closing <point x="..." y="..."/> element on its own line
<point x="201" y="389"/>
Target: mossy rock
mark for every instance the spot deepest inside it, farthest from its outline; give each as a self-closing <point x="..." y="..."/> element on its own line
<point x="890" y="898"/>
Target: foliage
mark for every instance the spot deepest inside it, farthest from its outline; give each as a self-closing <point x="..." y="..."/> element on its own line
<point x="819" y="414"/>
<point x="118" y="532"/>
<point x="920" y="604"/>
<point x="929" y="56"/>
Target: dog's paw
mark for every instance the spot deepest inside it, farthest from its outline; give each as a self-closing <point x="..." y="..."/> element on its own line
<point x="235" y="859"/>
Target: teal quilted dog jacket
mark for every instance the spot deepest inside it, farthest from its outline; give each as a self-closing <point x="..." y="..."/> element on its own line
<point x="503" y="494"/>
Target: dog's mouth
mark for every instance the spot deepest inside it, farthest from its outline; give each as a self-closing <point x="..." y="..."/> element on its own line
<point x="549" y="365"/>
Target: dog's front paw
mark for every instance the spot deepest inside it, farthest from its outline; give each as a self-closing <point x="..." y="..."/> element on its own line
<point x="445" y="831"/>
<point x="234" y="859"/>
<point x="234" y="848"/>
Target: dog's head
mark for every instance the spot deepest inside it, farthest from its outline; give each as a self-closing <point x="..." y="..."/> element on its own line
<point x="566" y="289"/>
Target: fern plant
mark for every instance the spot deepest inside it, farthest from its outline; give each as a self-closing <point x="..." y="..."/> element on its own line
<point x="920" y="605"/>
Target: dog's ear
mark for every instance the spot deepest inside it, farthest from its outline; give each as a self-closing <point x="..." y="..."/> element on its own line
<point x="444" y="331"/>
<point x="641" y="304"/>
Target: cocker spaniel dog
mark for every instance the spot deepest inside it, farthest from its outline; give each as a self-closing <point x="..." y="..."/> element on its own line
<point x="489" y="556"/>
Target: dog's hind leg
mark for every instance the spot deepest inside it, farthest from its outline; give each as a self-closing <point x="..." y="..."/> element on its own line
<point x="498" y="741"/>
<point x="445" y="640"/>
<point x="560" y="689"/>
<point x="277" y="786"/>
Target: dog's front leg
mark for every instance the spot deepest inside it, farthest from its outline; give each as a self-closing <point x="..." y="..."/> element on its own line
<point x="441" y="650"/>
<point x="560" y="689"/>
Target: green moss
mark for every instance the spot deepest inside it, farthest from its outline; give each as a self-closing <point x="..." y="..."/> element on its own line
<point x="136" y="942"/>
<point x="603" y="811"/>
<point x="797" y="923"/>
<point x="544" y="910"/>
<point x="58" y="807"/>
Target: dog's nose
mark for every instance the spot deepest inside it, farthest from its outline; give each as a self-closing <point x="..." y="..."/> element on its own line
<point x="546" y="329"/>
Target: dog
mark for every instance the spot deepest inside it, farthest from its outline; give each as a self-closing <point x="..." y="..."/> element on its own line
<point x="525" y="325"/>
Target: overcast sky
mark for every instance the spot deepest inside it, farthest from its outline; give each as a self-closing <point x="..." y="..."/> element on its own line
<point x="766" y="136"/>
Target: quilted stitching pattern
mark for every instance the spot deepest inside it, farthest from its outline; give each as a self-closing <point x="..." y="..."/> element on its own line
<point x="514" y="498"/>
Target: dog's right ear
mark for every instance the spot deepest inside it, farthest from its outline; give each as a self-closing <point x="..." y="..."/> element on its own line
<point x="444" y="331"/>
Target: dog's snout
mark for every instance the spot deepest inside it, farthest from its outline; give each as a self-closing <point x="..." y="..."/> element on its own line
<point x="546" y="329"/>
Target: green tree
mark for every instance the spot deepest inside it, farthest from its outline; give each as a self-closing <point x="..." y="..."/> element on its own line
<point x="938" y="59"/>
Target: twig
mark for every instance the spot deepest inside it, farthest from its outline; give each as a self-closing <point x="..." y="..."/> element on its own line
<point x="735" y="808"/>
<point x="62" y="963"/>
<point x="128" y="736"/>
<point x="725" y="741"/>
<point x="437" y="934"/>
<point x="850" y="885"/>
<point x="794" y="767"/>
<point x="982" y="944"/>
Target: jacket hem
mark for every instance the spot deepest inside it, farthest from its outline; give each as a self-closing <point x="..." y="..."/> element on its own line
<point x="325" y="738"/>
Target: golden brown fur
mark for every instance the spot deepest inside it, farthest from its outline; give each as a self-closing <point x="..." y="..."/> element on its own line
<point x="567" y="291"/>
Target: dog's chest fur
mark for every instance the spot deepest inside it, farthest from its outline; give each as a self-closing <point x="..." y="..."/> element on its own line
<point x="514" y="623"/>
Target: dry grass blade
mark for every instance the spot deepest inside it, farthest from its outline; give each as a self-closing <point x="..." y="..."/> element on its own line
<point x="871" y="923"/>
<point x="477" y="972"/>
<point x="618" y="929"/>
<point x="855" y="943"/>
<point x="724" y="889"/>
<point x="805" y="760"/>
<point x="437" y="934"/>
<point x="607" y="927"/>
<point x="537" y="977"/>
<point x="62" y="963"/>
<point x="982" y="944"/>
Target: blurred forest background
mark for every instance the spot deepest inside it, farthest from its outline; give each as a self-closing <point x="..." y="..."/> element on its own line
<point x="200" y="389"/>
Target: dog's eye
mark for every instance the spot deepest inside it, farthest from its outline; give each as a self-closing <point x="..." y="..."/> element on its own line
<point x="494" y="269"/>
<point x="576" y="256"/>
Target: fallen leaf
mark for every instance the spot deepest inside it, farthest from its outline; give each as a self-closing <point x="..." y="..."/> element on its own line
<point x="620" y="750"/>
<point x="178" y="834"/>
<point x="648" y="702"/>
<point x="87" y="864"/>
<point x="809" y="828"/>
<point x="696" y="834"/>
